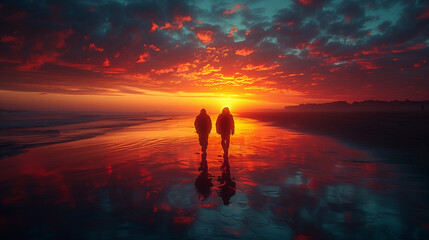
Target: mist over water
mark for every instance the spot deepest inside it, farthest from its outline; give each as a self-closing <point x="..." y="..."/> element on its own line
<point x="147" y="179"/>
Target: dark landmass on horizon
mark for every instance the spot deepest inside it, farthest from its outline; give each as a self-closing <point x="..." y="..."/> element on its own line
<point x="399" y="137"/>
<point x="364" y="106"/>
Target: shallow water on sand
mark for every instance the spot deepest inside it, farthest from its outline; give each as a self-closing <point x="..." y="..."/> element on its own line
<point x="145" y="181"/>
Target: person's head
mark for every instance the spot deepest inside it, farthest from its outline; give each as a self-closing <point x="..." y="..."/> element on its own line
<point x="225" y="110"/>
<point x="203" y="112"/>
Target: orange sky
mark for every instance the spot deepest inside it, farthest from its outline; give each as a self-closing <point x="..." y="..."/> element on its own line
<point x="181" y="56"/>
<point x="164" y="102"/>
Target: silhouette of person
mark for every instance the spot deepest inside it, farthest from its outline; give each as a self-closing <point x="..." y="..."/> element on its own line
<point x="225" y="127"/>
<point x="203" y="183"/>
<point x="203" y="125"/>
<point x="226" y="188"/>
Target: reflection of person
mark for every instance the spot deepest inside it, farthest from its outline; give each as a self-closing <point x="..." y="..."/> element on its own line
<point x="203" y="125"/>
<point x="225" y="127"/>
<point x="227" y="187"/>
<point x="203" y="183"/>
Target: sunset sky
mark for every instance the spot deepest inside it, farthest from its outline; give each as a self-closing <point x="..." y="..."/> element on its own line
<point x="178" y="56"/>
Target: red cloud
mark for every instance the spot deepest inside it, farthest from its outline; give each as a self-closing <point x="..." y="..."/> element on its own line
<point x="93" y="47"/>
<point x="417" y="47"/>
<point x="167" y="26"/>
<point x="154" y="27"/>
<point x="162" y="71"/>
<point x="368" y="66"/>
<point x="230" y="11"/>
<point x="183" y="67"/>
<point x="38" y="60"/>
<point x="155" y="48"/>
<point x="208" y="69"/>
<point x="374" y="50"/>
<point x="205" y="36"/>
<point x="106" y="62"/>
<point x="244" y="52"/>
<point x="232" y="31"/>
<point x="143" y="57"/>
<point x="177" y="23"/>
<point x="250" y="67"/>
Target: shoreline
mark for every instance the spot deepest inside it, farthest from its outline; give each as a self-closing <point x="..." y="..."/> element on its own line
<point x="50" y="134"/>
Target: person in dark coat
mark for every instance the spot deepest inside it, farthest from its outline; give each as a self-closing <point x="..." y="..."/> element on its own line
<point x="225" y="127"/>
<point x="203" y="125"/>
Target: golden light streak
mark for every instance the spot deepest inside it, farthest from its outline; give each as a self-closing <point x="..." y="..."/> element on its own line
<point x="147" y="101"/>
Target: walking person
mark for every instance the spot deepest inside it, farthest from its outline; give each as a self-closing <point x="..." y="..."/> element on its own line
<point x="203" y="125"/>
<point x="225" y="127"/>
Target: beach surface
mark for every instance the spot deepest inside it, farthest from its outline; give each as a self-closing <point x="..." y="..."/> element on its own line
<point x="125" y="177"/>
<point x="400" y="137"/>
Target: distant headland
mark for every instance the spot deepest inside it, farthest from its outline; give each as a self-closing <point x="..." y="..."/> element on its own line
<point x="364" y="106"/>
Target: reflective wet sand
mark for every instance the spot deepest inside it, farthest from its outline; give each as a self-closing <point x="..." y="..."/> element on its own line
<point x="151" y="181"/>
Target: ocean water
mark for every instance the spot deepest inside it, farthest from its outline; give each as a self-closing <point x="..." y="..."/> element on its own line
<point x="145" y="178"/>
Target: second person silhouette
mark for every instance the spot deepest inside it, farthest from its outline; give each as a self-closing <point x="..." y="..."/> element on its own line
<point x="225" y="127"/>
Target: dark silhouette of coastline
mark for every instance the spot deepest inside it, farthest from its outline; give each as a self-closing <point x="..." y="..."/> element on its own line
<point x="227" y="185"/>
<point x="397" y="136"/>
<point x="364" y="106"/>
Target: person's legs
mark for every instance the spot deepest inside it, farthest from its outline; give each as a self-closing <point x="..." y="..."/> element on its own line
<point x="222" y="142"/>
<point x="204" y="141"/>
<point x="225" y="143"/>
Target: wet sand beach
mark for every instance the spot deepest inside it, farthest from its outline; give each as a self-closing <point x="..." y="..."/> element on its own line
<point x="395" y="136"/>
<point x="149" y="180"/>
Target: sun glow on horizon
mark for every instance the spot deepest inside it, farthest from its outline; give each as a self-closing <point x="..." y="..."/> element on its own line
<point x="180" y="102"/>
